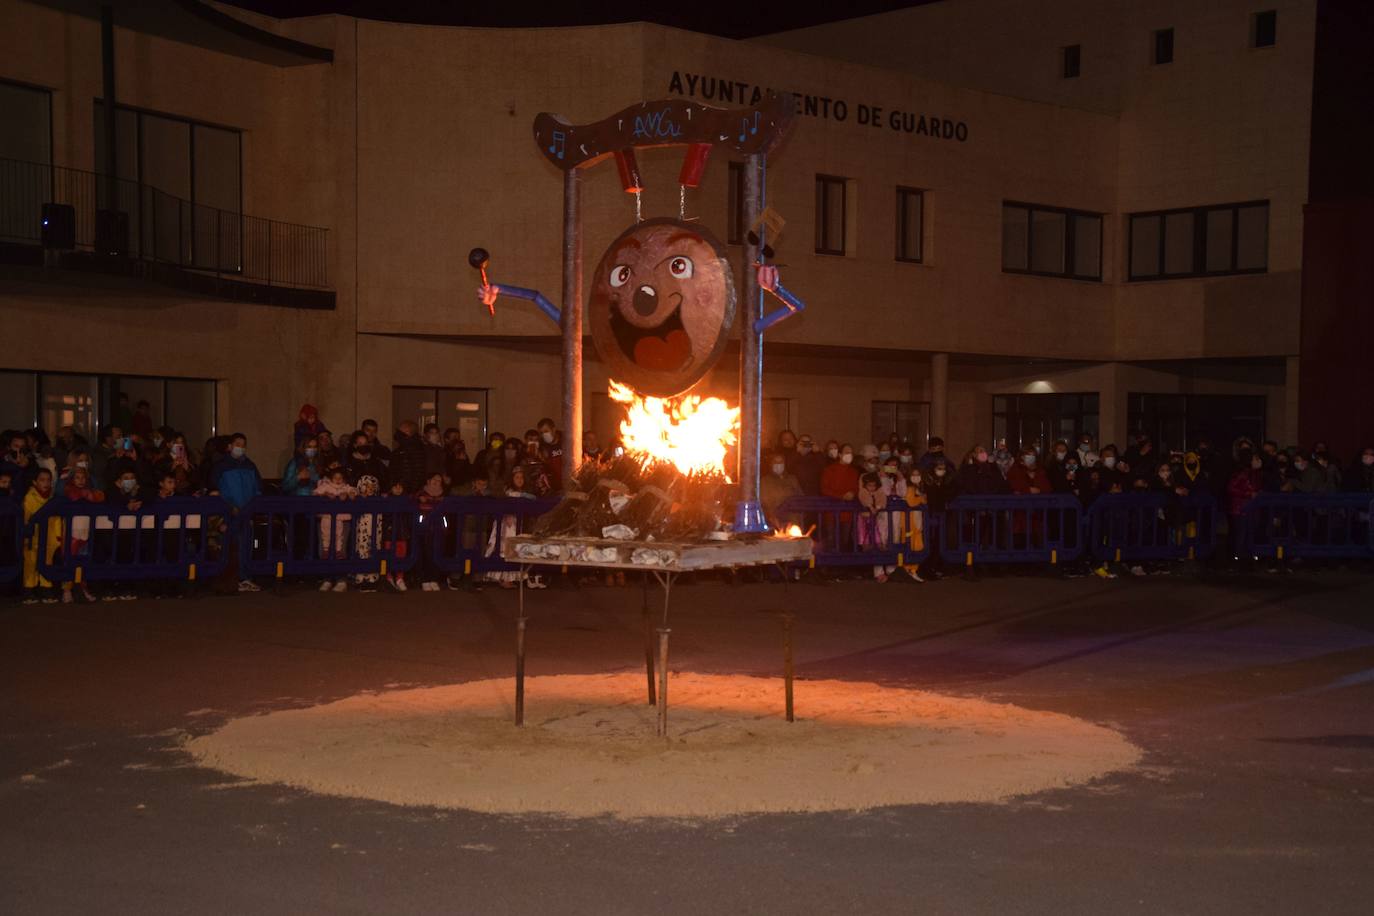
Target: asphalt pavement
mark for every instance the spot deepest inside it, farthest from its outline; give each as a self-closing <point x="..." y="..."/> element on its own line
<point x="1252" y="697"/>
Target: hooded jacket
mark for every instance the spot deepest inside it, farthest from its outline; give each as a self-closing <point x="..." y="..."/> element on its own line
<point x="236" y="479"/>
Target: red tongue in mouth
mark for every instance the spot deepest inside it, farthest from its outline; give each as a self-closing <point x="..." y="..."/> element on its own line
<point x="664" y="354"/>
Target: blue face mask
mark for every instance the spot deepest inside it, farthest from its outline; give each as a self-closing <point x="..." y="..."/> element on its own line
<point x="128" y="485"/>
<point x="237" y="451"/>
<point x="311" y="452"/>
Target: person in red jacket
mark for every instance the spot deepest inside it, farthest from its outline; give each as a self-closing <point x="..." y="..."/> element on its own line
<point x="1026" y="479"/>
<point x="840" y="480"/>
<point x="1243" y="486"/>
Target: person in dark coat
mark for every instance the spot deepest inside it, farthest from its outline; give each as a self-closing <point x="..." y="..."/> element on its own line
<point x="808" y="465"/>
<point x="978" y="476"/>
<point x="361" y="461"/>
<point x="1359" y="478"/>
<point x="408" y="458"/>
<point x="436" y="458"/>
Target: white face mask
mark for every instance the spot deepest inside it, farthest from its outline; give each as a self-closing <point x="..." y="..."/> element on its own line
<point x="547" y="437"/>
<point x="1029" y="461"/>
<point x="940" y="471"/>
<point x="1110" y="461"/>
<point x="1367" y="460"/>
<point x="847" y="458"/>
<point x="916" y="478"/>
<point x="779" y="469"/>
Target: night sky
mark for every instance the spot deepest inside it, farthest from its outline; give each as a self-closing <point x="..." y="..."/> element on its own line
<point x="731" y="20"/>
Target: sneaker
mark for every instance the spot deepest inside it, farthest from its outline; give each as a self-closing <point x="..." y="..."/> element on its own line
<point x="49" y="599"/>
<point x="1102" y="572"/>
<point x="87" y="595"/>
<point x="430" y="586"/>
<point x="30" y="599"/>
<point x="67" y="596"/>
<point x="341" y="585"/>
<point x="326" y="585"/>
<point x="399" y="583"/>
<point x="536" y="582"/>
<point x="109" y="597"/>
<point x="247" y="585"/>
<point x="915" y="576"/>
<point x="1137" y="570"/>
<point x="127" y="596"/>
<point x="453" y="584"/>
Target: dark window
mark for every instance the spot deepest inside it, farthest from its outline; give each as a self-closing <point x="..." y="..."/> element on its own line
<point x="1200" y="241"/>
<point x="1030" y="419"/>
<point x="830" y="215"/>
<point x="910" y="204"/>
<point x="1071" y="58"/>
<point x="735" y="204"/>
<point x="1051" y="241"/>
<point x="25" y="157"/>
<point x="1164" y="46"/>
<point x="1264" y="29"/>
<point x="189" y="185"/>
<point x="910" y="420"/>
<point x="52" y="400"/>
<point x="1180" y="421"/>
<point x="463" y="409"/>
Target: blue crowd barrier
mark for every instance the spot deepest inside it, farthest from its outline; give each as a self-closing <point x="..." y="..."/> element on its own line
<point x="844" y="535"/>
<point x="1149" y="525"/>
<point x="316" y="536"/>
<point x="464" y="533"/>
<point x="178" y="538"/>
<point x="11" y="540"/>
<point x="1034" y="528"/>
<point x="1316" y="525"/>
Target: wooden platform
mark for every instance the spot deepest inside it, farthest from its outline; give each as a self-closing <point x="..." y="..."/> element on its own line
<point x="605" y="553"/>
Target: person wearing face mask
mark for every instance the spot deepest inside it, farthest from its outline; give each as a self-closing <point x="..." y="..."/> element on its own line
<point x="302" y="472"/>
<point x="495" y="442"/>
<point x="917" y="501"/>
<point x="458" y="466"/>
<point x="428" y="499"/>
<point x="942" y="484"/>
<point x="935" y="452"/>
<point x="840" y="480"/>
<point x="362" y="460"/>
<point x="1058" y="455"/>
<point x="435" y="456"/>
<point x="1085" y="445"/>
<point x="407" y="458"/>
<point x="808" y="465"/>
<point x="873" y="520"/>
<point x="1114" y="478"/>
<point x="1359" y="478"/>
<point x="235" y="477"/>
<point x="1192" y="476"/>
<point x="1064" y="474"/>
<point x="379" y="451"/>
<point x="1026" y="477"/>
<point x="591" y="448"/>
<point x="775" y="487"/>
<point x="551" y="453"/>
<point x="1241" y="488"/>
<point x="39" y="542"/>
<point x="1310" y="476"/>
<point x="978" y="476"/>
<point x="867" y="459"/>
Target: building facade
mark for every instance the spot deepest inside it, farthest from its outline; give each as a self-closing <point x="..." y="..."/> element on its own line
<point x="1010" y="219"/>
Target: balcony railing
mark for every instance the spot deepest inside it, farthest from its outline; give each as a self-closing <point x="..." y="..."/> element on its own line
<point x="160" y="227"/>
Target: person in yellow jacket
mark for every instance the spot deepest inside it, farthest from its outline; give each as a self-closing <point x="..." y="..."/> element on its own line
<point x="35" y="586"/>
<point x="916" y="498"/>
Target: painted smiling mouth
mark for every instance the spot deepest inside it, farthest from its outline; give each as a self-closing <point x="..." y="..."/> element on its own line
<point x="662" y="348"/>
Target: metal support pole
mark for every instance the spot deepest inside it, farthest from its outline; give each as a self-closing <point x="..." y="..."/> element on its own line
<point x="787" y="620"/>
<point x="749" y="512"/>
<point x="572" y="323"/>
<point x="107" y="62"/>
<point x="663" y="681"/>
<point x="520" y="656"/>
<point x="648" y="643"/>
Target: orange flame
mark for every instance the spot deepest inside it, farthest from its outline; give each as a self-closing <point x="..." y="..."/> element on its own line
<point x="693" y="433"/>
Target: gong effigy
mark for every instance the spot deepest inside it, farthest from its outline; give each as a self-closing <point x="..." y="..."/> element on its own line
<point x="662" y="305"/>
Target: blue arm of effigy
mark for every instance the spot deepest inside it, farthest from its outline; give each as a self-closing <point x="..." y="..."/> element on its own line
<point x="791" y="305"/>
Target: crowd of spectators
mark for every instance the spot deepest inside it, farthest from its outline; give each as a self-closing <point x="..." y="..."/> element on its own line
<point x="143" y="465"/>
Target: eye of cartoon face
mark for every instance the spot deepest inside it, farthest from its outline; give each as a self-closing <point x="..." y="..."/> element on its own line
<point x="681" y="267"/>
<point x="620" y="275"/>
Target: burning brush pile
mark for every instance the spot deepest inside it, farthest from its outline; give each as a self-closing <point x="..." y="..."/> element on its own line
<point x="669" y="484"/>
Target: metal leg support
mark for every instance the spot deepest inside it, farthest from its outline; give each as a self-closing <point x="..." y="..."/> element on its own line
<point x="787" y="621"/>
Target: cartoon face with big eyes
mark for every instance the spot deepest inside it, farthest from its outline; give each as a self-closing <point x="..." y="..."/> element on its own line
<point x="662" y="306"/>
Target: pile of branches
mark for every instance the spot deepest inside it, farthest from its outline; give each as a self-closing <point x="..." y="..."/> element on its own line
<point x="636" y="496"/>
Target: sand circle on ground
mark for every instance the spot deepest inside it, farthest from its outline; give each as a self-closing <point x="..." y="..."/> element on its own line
<point x="588" y="747"/>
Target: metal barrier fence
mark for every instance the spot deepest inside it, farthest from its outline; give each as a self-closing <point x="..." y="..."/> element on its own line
<point x="189" y="538"/>
<point x="464" y="533"/>
<point x="1131" y="527"/>
<point x="1334" y="525"/>
<point x="178" y="538"/>
<point x="1035" y="528"/>
<point x="11" y="540"/>
<point x="845" y="535"/>
<point x="313" y="536"/>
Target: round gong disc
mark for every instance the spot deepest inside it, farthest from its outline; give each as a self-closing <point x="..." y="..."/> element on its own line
<point x="662" y="306"/>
